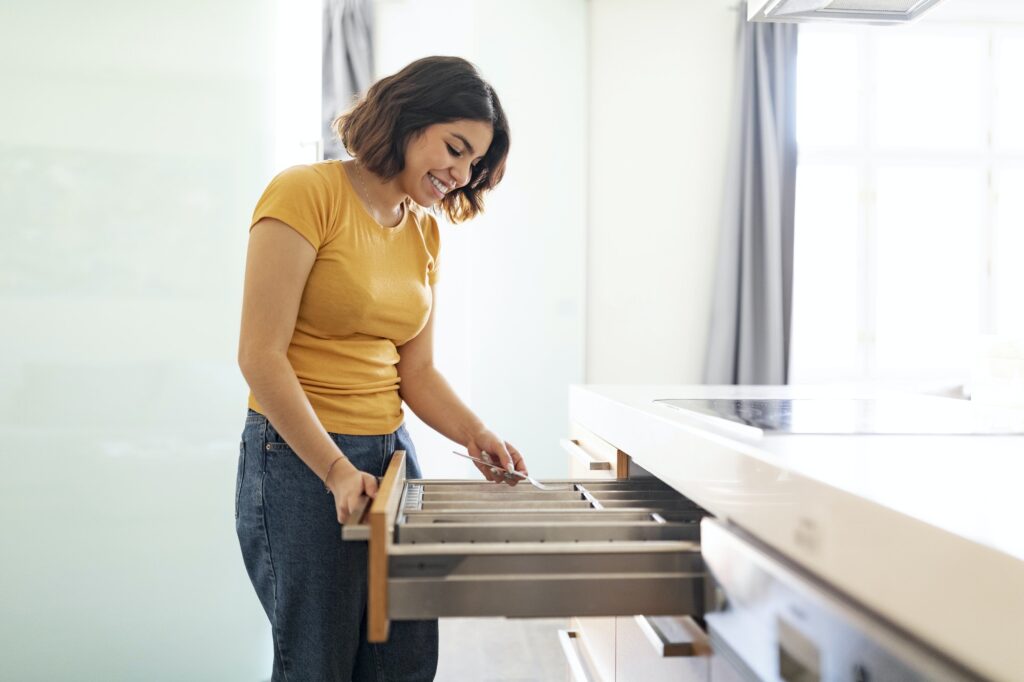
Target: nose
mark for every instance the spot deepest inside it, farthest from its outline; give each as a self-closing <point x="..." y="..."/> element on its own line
<point x="461" y="174"/>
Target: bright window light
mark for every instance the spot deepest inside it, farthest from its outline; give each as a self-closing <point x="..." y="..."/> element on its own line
<point x="910" y="200"/>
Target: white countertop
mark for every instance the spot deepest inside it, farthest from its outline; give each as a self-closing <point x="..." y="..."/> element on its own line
<point x="926" y="530"/>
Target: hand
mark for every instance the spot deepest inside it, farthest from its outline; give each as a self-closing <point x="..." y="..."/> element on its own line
<point x="486" y="445"/>
<point x="348" y="485"/>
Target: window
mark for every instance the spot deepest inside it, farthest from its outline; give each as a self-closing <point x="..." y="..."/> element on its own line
<point x="910" y="200"/>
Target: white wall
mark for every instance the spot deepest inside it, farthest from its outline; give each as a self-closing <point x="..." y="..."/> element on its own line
<point x="661" y="79"/>
<point x="511" y="294"/>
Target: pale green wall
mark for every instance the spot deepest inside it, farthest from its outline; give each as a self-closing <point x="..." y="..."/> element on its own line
<point x="134" y="140"/>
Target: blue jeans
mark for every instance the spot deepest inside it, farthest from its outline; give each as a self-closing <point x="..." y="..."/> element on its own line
<point x="312" y="584"/>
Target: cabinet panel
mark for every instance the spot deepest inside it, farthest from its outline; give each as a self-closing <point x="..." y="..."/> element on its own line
<point x="598" y="635"/>
<point x="723" y="671"/>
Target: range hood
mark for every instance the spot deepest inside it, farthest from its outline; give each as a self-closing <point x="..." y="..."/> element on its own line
<point x="855" y="11"/>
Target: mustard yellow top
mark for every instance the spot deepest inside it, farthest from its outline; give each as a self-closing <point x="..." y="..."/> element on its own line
<point x="367" y="294"/>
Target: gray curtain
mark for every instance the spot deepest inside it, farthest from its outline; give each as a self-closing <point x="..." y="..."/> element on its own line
<point x="348" y="63"/>
<point x="752" y="304"/>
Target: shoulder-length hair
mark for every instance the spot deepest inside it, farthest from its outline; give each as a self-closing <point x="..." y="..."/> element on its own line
<point x="430" y="90"/>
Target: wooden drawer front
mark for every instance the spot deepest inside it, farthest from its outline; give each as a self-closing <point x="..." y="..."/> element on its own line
<point x="592" y="457"/>
<point x="636" y="657"/>
<point x="442" y="548"/>
<point x="598" y="639"/>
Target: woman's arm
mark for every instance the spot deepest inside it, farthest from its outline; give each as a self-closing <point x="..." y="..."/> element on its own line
<point x="428" y="394"/>
<point x="277" y="265"/>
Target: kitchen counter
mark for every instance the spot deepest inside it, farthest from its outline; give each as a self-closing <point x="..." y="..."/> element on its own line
<point x="924" y="530"/>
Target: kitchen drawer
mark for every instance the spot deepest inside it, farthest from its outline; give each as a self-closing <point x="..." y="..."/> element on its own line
<point x="660" y="649"/>
<point x="444" y="548"/>
<point x="592" y="457"/>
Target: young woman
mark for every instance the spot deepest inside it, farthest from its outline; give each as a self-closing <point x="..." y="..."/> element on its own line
<point x="337" y="331"/>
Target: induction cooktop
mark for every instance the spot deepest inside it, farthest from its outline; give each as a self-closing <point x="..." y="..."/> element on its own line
<point x="897" y="415"/>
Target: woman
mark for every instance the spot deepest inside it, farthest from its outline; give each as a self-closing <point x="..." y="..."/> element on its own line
<point x="337" y="329"/>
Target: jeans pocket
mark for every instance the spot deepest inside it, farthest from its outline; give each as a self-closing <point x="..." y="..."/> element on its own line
<point x="240" y="476"/>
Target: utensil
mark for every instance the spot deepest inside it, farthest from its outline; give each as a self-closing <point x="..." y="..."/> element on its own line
<point x="509" y="475"/>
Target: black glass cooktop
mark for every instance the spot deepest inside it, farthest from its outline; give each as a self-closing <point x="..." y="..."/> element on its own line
<point x="903" y="415"/>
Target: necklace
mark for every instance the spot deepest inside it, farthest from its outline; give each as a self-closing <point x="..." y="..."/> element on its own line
<point x="400" y="212"/>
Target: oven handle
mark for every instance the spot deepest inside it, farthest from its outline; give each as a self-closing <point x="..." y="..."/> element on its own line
<point x="675" y="636"/>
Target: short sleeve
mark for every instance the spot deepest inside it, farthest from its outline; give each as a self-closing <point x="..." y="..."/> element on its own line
<point x="300" y="197"/>
<point x="432" y="238"/>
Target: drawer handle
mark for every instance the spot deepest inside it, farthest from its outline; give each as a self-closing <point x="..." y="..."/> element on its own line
<point x="569" y="639"/>
<point x="675" y="636"/>
<point x="593" y="464"/>
<point x="381" y="518"/>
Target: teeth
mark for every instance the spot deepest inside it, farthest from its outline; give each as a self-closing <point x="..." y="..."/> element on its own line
<point x="438" y="184"/>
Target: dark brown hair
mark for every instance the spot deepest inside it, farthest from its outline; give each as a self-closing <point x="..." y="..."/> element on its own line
<point x="399" y="107"/>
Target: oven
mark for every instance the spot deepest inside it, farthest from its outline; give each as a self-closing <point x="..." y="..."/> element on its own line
<point x="780" y="623"/>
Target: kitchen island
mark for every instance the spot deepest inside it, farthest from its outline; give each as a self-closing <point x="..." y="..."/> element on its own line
<point x="921" y="529"/>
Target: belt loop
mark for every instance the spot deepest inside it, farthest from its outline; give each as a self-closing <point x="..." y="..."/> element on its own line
<point x="263" y="442"/>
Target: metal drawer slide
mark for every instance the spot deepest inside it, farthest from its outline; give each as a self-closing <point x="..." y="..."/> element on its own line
<point x="440" y="548"/>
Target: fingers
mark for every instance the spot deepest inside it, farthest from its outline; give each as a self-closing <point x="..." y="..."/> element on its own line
<point x="517" y="459"/>
<point x="491" y="473"/>
<point x="370" y="485"/>
<point x="504" y="459"/>
<point x="504" y="475"/>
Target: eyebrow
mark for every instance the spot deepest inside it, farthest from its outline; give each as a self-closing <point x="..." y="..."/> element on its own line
<point x="465" y="142"/>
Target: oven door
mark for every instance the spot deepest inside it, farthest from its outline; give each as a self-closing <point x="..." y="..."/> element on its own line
<point x="443" y="548"/>
<point x="782" y="623"/>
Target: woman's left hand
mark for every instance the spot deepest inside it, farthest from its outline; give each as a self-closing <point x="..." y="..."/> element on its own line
<point x="502" y="453"/>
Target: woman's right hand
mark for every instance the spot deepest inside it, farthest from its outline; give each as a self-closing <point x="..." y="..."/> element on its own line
<point x="348" y="484"/>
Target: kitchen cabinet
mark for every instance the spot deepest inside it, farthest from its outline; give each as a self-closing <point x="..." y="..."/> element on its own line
<point x="858" y="549"/>
<point x="590" y="457"/>
<point x="617" y="648"/>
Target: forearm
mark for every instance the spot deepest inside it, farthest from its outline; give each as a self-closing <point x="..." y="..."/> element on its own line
<point x="434" y="401"/>
<point x="277" y="390"/>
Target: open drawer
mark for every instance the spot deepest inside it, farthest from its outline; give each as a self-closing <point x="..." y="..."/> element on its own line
<point x="442" y="548"/>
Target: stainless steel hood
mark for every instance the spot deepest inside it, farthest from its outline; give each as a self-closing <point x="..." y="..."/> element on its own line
<point x="848" y="11"/>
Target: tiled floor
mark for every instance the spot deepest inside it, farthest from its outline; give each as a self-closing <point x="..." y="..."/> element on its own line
<point x="501" y="650"/>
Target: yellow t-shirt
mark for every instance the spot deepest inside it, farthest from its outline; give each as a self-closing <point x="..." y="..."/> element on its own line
<point x="367" y="294"/>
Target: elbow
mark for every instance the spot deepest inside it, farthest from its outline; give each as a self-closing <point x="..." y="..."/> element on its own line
<point x="252" y="362"/>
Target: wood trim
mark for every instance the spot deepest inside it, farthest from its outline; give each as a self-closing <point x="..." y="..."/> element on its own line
<point x="621" y="465"/>
<point x="575" y="449"/>
<point x="382" y="516"/>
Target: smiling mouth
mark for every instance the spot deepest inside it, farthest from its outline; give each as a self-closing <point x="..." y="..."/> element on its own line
<point x="438" y="186"/>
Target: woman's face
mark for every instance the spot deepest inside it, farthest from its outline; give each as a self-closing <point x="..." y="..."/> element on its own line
<point x="440" y="159"/>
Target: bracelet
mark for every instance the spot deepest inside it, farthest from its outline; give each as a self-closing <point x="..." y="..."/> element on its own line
<point x="328" y="474"/>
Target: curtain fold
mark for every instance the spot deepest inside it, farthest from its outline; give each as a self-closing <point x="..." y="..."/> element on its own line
<point x="347" y="63"/>
<point x="752" y="305"/>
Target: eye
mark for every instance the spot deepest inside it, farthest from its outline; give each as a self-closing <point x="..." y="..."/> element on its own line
<point x="453" y="151"/>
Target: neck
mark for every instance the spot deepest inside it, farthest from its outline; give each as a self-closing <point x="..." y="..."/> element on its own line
<point x="383" y="195"/>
